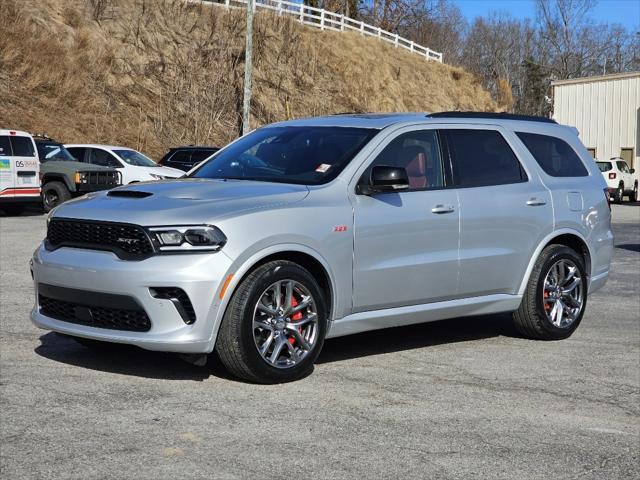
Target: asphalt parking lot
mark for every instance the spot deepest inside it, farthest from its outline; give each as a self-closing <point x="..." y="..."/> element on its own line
<point x="457" y="399"/>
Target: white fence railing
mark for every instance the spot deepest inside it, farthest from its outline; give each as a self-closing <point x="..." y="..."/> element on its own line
<point x="325" y="20"/>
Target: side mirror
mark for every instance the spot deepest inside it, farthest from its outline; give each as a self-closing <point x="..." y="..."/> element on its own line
<point x="386" y="179"/>
<point x="633" y="170"/>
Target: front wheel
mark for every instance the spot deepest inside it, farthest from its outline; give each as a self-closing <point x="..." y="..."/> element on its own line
<point x="634" y="194"/>
<point x="555" y="297"/>
<point x="53" y="194"/>
<point x="274" y="326"/>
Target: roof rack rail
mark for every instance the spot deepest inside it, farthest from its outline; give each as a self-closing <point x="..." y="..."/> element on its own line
<point x="500" y="116"/>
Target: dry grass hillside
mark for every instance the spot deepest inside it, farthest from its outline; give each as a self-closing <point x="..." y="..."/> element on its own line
<point x="153" y="74"/>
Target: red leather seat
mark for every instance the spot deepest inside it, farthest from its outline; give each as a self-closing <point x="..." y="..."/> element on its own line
<point x="416" y="166"/>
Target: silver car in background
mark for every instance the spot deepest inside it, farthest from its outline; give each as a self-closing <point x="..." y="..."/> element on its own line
<point x="317" y="228"/>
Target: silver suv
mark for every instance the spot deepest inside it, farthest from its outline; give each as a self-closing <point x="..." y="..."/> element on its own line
<point x="318" y="228"/>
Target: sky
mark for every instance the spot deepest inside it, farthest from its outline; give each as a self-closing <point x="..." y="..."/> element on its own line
<point x="625" y="12"/>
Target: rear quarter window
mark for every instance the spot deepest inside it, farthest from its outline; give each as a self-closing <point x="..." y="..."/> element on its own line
<point x="554" y="155"/>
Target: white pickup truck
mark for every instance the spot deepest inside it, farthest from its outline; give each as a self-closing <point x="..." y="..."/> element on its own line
<point x="19" y="171"/>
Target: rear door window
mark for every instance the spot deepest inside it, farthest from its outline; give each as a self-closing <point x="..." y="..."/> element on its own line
<point x="198" y="155"/>
<point x="78" y="153"/>
<point x="181" y="156"/>
<point x="482" y="158"/>
<point x="22" y="147"/>
<point x="102" y="158"/>
<point x="5" y="145"/>
<point x="554" y="155"/>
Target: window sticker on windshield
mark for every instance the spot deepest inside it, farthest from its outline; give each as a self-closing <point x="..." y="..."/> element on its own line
<point x="323" y="168"/>
<point x="5" y="163"/>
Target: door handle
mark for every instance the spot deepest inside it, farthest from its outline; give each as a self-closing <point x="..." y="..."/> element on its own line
<point x="440" y="209"/>
<point x="536" y="202"/>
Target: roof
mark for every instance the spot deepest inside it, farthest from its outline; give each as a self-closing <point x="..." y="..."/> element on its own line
<point x="195" y="147"/>
<point x="95" y="145"/>
<point x="357" y="120"/>
<point x="383" y="120"/>
<point x="599" y="78"/>
<point x="18" y="133"/>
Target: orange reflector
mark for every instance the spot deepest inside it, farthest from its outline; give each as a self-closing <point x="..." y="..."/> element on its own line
<point x="225" y="285"/>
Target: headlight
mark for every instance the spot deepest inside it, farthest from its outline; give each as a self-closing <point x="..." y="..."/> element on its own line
<point x="157" y="177"/>
<point x="187" y="238"/>
<point x="81" y="177"/>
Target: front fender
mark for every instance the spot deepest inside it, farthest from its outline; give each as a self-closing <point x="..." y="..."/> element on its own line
<point x="242" y="265"/>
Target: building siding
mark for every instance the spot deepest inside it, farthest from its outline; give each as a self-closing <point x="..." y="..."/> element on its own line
<point x="605" y="110"/>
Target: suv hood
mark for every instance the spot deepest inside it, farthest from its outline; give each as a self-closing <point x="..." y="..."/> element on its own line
<point x="58" y="165"/>
<point x="180" y="202"/>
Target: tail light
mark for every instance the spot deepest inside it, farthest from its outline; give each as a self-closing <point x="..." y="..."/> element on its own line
<point x="612" y="176"/>
<point x="607" y="197"/>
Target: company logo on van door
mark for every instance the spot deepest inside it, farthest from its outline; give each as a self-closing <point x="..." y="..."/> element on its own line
<point x="5" y="164"/>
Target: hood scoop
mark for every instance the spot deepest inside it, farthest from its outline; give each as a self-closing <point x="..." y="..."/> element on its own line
<point x="128" y="194"/>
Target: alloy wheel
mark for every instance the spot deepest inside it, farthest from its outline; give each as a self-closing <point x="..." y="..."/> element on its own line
<point x="563" y="293"/>
<point x="285" y="323"/>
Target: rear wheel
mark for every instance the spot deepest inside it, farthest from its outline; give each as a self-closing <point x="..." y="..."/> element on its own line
<point x="633" y="197"/>
<point x="274" y="326"/>
<point x="618" y="196"/>
<point x="556" y="295"/>
<point x="53" y="194"/>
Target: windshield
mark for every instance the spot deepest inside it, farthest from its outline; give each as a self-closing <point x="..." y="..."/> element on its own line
<point x="604" y="166"/>
<point x="53" y="151"/>
<point x="136" y="159"/>
<point x="303" y="155"/>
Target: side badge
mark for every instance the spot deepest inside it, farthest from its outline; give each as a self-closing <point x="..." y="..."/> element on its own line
<point x="340" y="228"/>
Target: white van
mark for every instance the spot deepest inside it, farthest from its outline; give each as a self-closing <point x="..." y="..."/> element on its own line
<point x="19" y="171"/>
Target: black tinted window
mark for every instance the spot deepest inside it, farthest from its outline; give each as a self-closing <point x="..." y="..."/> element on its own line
<point x="482" y="157"/>
<point x="554" y="155"/>
<point x="181" y="156"/>
<point x="199" y="155"/>
<point x="5" y="146"/>
<point x="418" y="153"/>
<point x="22" y="147"/>
<point x="102" y="158"/>
<point x="77" y="153"/>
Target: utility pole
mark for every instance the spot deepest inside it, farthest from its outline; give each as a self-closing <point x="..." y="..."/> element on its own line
<point x="248" y="68"/>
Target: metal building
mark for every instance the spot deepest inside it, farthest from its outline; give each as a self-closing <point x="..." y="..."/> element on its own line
<point x="606" y="112"/>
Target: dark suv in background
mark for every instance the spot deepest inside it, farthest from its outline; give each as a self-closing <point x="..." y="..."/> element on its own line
<point x="185" y="158"/>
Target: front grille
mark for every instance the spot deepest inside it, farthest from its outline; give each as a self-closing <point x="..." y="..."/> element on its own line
<point x="133" y="320"/>
<point x="109" y="178"/>
<point x="129" y="242"/>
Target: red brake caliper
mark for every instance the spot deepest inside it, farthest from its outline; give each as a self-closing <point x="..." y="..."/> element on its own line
<point x="296" y="316"/>
<point x="547" y="307"/>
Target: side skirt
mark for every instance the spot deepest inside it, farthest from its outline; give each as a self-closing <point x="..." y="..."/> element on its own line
<point x="429" y="312"/>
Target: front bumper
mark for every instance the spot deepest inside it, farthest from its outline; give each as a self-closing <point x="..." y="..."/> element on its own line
<point x="199" y="275"/>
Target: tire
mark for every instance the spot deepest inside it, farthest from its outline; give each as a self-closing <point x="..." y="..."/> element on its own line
<point x="633" y="196"/>
<point x="618" y="196"/>
<point x="53" y="194"/>
<point x="238" y="338"/>
<point x="532" y="319"/>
